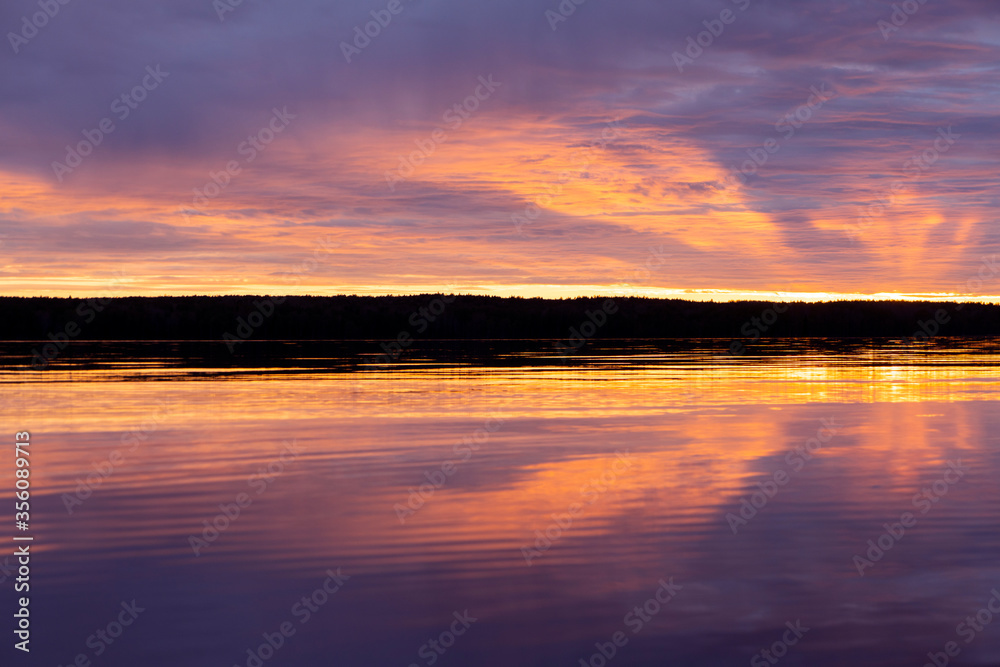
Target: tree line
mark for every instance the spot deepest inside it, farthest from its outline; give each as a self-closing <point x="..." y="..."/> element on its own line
<point x="432" y="316"/>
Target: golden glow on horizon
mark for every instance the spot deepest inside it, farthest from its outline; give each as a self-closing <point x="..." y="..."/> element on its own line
<point x="92" y="287"/>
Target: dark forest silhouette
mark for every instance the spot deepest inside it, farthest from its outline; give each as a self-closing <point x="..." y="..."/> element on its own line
<point x="475" y="317"/>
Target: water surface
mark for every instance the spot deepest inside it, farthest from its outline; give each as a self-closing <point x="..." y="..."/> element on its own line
<point x="635" y="456"/>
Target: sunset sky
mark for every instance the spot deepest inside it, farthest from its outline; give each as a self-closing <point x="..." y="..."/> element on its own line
<point x="501" y="147"/>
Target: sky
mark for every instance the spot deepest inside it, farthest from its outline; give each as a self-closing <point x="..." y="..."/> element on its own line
<point x="710" y="150"/>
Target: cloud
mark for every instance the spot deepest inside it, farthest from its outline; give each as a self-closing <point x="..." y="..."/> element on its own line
<point x="668" y="178"/>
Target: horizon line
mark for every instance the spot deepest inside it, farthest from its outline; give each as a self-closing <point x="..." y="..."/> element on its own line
<point x="552" y="292"/>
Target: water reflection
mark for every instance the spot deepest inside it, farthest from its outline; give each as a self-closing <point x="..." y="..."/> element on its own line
<point x="702" y="430"/>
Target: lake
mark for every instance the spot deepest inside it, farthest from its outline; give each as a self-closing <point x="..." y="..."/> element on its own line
<point x="486" y="503"/>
